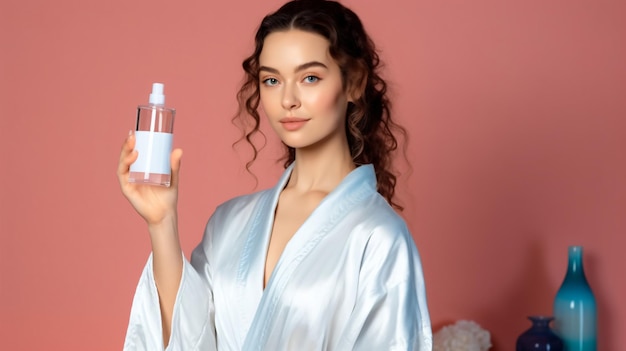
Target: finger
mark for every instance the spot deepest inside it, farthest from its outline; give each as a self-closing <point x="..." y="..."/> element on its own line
<point x="128" y="145"/>
<point x="175" y="160"/>
<point x="123" y="169"/>
<point x="127" y="157"/>
<point x="128" y="161"/>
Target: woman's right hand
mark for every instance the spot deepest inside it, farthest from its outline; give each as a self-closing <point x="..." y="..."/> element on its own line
<point x="157" y="205"/>
<point x="154" y="203"/>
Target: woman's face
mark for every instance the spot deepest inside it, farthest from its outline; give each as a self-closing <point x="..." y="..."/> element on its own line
<point x="301" y="89"/>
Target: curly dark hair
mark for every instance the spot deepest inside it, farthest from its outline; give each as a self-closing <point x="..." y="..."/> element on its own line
<point x="369" y="126"/>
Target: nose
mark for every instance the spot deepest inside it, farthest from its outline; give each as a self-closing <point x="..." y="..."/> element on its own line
<point x="291" y="99"/>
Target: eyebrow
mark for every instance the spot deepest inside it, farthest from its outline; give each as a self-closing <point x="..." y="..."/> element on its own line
<point x="301" y="67"/>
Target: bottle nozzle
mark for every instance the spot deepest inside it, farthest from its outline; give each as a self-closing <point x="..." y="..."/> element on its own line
<point x="157" y="97"/>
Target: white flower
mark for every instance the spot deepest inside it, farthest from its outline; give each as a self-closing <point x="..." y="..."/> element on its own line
<point x="462" y="336"/>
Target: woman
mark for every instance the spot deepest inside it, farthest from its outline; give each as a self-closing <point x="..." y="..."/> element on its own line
<point x="319" y="262"/>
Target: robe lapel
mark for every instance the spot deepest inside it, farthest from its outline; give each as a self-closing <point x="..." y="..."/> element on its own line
<point x="355" y="187"/>
<point x="251" y="269"/>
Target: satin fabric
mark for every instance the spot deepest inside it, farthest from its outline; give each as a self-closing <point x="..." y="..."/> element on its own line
<point x="349" y="279"/>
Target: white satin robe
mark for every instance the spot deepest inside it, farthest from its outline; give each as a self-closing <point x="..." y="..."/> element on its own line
<point x="349" y="279"/>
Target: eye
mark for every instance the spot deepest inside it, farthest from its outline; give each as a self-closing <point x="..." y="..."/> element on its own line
<point x="311" y="79"/>
<point x="270" y="82"/>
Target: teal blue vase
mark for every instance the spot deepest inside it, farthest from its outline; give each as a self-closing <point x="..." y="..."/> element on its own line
<point x="575" y="312"/>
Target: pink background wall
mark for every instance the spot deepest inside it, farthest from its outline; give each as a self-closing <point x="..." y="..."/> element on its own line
<point x="517" y="119"/>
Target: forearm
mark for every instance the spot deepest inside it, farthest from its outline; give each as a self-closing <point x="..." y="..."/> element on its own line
<point x="167" y="266"/>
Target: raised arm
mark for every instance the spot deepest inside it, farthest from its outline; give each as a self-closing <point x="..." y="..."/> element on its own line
<point x="157" y="205"/>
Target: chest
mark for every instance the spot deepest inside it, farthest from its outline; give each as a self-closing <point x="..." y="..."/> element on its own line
<point x="315" y="280"/>
<point x="291" y="213"/>
<point x="309" y="301"/>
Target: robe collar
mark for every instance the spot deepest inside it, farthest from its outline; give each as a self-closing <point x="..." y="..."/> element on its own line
<point x="260" y="305"/>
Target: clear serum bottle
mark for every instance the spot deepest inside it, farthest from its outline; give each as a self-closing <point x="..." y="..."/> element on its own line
<point x="154" y="136"/>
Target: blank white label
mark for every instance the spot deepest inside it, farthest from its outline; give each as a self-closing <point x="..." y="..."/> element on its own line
<point x="154" y="150"/>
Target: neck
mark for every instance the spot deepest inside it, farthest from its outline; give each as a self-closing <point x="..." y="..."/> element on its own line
<point x="321" y="168"/>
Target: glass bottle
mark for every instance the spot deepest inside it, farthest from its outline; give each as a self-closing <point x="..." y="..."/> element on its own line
<point x="539" y="337"/>
<point x="153" y="141"/>
<point x="575" y="312"/>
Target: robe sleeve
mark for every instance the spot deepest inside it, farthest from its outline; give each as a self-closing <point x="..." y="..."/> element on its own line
<point x="390" y="311"/>
<point x="193" y="326"/>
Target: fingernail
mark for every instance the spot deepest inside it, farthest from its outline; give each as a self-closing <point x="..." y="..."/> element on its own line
<point x="130" y="132"/>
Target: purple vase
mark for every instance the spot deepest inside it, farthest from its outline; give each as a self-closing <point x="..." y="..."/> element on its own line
<point x="539" y="337"/>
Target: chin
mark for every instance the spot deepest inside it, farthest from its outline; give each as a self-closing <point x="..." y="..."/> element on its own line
<point x="296" y="145"/>
<point x="309" y="140"/>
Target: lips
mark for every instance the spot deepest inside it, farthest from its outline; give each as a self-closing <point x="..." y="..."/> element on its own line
<point x="293" y="123"/>
<point x="293" y="120"/>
